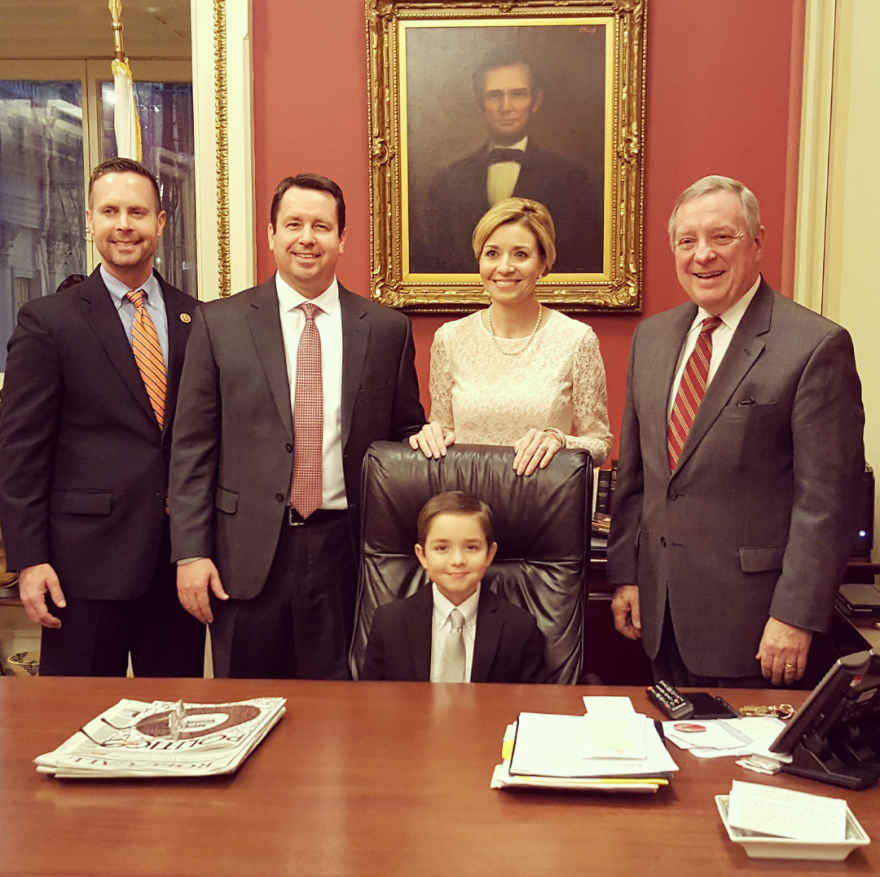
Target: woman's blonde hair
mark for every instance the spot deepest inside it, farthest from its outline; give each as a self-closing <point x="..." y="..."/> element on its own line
<point x="519" y="211"/>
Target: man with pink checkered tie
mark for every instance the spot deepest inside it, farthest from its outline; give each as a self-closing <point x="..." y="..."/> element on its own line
<point x="284" y="388"/>
<point x="741" y="455"/>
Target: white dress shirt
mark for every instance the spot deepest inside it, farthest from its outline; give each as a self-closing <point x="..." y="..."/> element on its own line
<point x="329" y="324"/>
<point x="720" y="340"/>
<point x="503" y="175"/>
<point x="441" y="627"/>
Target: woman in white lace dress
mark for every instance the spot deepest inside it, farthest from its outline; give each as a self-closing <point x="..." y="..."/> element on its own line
<point x="516" y="373"/>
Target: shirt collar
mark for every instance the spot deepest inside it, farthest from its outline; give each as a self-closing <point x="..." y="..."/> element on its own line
<point x="732" y="316"/>
<point x="521" y="145"/>
<point x="118" y="290"/>
<point x="443" y="607"/>
<point x="289" y="299"/>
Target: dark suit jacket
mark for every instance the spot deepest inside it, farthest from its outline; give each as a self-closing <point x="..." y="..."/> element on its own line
<point x="508" y="646"/>
<point x="84" y="464"/>
<point x="457" y="200"/>
<point x="757" y="519"/>
<point x="232" y="457"/>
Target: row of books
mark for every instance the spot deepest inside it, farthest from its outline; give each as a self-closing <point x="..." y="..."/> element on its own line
<point x="606" y="481"/>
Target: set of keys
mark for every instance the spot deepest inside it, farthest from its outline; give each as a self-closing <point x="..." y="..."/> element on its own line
<point x="781" y="711"/>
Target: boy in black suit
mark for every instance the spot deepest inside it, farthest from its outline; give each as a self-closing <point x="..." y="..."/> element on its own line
<point x="454" y="631"/>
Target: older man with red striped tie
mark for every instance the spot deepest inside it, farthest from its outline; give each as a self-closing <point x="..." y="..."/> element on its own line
<point x="88" y="408"/>
<point x="741" y="454"/>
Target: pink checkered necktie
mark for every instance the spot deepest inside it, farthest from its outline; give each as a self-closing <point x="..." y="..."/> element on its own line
<point x="690" y="391"/>
<point x="306" y="488"/>
<point x="148" y="354"/>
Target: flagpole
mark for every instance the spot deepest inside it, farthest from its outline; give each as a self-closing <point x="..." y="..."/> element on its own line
<point x="125" y="117"/>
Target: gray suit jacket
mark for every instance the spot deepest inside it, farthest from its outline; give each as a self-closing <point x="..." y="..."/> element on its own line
<point x="757" y="519"/>
<point x="232" y="457"/>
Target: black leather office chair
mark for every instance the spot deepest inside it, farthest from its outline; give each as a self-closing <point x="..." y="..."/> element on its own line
<point x="542" y="526"/>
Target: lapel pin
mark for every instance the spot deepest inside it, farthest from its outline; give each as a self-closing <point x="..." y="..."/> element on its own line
<point x="185" y="318"/>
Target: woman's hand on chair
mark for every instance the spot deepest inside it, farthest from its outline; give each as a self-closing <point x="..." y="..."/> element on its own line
<point x="432" y="441"/>
<point x="535" y="449"/>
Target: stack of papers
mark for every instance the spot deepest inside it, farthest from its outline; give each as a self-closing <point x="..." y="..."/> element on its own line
<point x="610" y="749"/>
<point x="165" y="739"/>
<point x="774" y="823"/>
<point x="775" y="812"/>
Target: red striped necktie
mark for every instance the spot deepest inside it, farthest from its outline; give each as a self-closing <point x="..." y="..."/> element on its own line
<point x="690" y="391"/>
<point x="148" y="354"/>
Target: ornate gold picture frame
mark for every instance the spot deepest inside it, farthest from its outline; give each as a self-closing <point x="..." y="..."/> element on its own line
<point x="451" y="84"/>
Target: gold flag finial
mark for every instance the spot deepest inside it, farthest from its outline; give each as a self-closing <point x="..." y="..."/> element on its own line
<point x="116" y="12"/>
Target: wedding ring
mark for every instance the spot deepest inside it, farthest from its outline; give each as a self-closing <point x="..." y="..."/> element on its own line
<point x="789" y="665"/>
<point x="542" y="447"/>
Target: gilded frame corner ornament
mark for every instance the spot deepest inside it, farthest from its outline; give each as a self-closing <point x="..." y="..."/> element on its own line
<point x="395" y="176"/>
<point x="221" y="135"/>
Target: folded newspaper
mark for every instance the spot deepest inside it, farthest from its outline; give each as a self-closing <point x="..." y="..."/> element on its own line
<point x="165" y="739"/>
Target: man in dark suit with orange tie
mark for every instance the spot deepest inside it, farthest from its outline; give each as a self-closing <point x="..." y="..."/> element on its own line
<point x="740" y="458"/>
<point x="285" y="387"/>
<point x="88" y="410"/>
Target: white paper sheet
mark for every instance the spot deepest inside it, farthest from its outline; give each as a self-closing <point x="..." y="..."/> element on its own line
<point x="609" y="706"/>
<point x="724" y="737"/>
<point x="784" y="813"/>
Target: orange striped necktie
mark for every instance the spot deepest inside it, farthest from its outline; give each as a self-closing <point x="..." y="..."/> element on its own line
<point x="148" y="354"/>
<point x="690" y="391"/>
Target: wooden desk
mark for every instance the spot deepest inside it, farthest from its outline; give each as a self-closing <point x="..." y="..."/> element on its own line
<point x="367" y="779"/>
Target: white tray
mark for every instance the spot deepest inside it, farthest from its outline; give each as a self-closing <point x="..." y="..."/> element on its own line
<point x="760" y="846"/>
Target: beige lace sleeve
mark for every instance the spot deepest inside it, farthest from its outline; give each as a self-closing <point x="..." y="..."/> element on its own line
<point x="441" y="381"/>
<point x="590" y="426"/>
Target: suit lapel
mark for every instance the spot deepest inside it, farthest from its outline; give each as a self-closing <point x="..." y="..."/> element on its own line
<point x="744" y="350"/>
<point x="264" y="322"/>
<point x="355" y="342"/>
<point x="100" y="312"/>
<point x="488" y="635"/>
<point x="474" y="195"/>
<point x="419" y="620"/>
<point x="177" y="338"/>
<point x="656" y="376"/>
<point x="530" y="178"/>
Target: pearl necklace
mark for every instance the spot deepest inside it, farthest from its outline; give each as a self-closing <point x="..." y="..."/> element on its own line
<point x="527" y="344"/>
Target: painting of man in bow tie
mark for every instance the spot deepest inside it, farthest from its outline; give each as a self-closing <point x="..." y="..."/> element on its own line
<point x="509" y="92"/>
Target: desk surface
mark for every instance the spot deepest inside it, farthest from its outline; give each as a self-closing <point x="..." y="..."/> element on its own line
<point x="364" y="778"/>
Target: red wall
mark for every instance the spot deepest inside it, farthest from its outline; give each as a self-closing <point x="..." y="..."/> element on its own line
<point x="723" y="97"/>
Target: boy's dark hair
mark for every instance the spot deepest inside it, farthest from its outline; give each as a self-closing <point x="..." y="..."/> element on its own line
<point x="310" y="181"/>
<point x="124" y="166"/>
<point x="455" y="502"/>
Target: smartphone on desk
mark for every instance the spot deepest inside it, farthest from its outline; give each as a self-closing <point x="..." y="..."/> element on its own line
<point x="696" y="705"/>
<point x="708" y="706"/>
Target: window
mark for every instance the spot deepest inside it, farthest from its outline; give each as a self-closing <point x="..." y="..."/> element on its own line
<point x="167" y="146"/>
<point x="56" y="124"/>
<point x="42" y="205"/>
